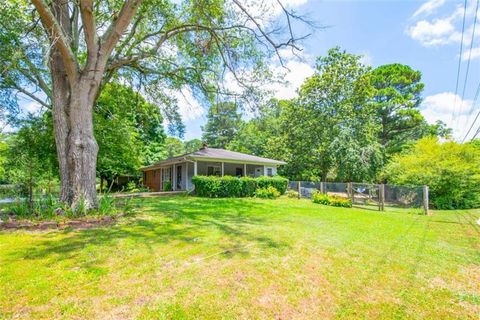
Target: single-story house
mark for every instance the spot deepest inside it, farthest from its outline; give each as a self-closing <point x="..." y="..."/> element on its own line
<point x="178" y="171"/>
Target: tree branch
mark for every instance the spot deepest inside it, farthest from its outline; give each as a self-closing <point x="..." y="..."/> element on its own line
<point x="31" y="96"/>
<point x="89" y="28"/>
<point x="57" y="38"/>
<point x="118" y="26"/>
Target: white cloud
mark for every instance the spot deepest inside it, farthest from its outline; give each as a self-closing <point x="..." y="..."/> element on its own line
<point x="438" y="32"/>
<point x="32" y="107"/>
<point x="366" y="59"/>
<point x="188" y="106"/>
<point x="429" y="7"/>
<point x="294" y="72"/>
<point x="450" y="109"/>
<point x="442" y="29"/>
<point x="475" y="54"/>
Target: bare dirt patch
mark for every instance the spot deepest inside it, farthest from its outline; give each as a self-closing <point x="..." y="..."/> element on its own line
<point x="77" y="224"/>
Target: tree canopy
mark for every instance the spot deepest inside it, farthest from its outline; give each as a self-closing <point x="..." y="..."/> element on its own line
<point x="223" y="122"/>
<point x="450" y="169"/>
<point x="61" y="54"/>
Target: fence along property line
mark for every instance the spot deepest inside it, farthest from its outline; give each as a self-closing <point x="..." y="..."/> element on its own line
<point x="368" y="194"/>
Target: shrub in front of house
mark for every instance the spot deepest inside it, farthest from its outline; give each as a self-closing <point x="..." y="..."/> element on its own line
<point x="248" y="186"/>
<point x="336" y="201"/>
<point x="267" y="193"/>
<point x="228" y="186"/>
<point x="206" y="186"/>
<point x="277" y="182"/>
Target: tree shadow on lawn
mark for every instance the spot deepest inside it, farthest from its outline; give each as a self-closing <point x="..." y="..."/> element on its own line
<point x="164" y="221"/>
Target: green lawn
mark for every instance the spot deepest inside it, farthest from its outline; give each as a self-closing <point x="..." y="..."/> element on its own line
<point x="192" y="258"/>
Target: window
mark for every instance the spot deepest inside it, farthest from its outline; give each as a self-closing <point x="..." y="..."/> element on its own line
<point x="214" y="171"/>
<point x="270" y="172"/>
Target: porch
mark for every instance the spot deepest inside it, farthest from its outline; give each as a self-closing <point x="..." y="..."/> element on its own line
<point x="177" y="176"/>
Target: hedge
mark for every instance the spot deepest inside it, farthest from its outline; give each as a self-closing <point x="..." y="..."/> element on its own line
<point x="228" y="186"/>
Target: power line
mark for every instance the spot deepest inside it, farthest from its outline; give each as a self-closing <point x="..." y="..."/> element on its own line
<point x="471" y="111"/>
<point x="476" y="134"/>
<point x="459" y="59"/>
<point x="469" y="55"/>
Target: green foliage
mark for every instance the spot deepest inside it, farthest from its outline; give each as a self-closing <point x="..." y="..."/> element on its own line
<point x="451" y="170"/>
<point x="227" y="186"/>
<point x="230" y="187"/>
<point x="267" y="193"/>
<point x="128" y="129"/>
<point x="336" y="201"/>
<point x="223" y="122"/>
<point x="173" y="147"/>
<point x="292" y="194"/>
<point x="332" y="122"/>
<point x="167" y="186"/>
<point x="206" y="186"/>
<point x="248" y="187"/>
<point x="193" y="145"/>
<point x="106" y="204"/>
<point x="277" y="182"/>
<point x="30" y="157"/>
<point x="397" y="99"/>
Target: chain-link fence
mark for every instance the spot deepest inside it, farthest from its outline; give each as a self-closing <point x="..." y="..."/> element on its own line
<point x="367" y="195"/>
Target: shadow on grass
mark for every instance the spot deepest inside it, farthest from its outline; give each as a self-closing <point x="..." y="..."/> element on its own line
<point x="164" y="220"/>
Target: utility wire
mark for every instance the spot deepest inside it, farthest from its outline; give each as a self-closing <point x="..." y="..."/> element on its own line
<point x="459" y="59"/>
<point x="469" y="56"/>
<point x="476" y="134"/>
<point x="471" y="111"/>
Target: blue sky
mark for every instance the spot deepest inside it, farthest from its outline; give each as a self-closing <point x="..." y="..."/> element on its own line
<point x="424" y="35"/>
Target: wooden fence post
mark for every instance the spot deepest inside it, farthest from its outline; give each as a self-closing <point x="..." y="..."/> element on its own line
<point x="350" y="191"/>
<point x="321" y="187"/>
<point x="425" y="200"/>
<point x="299" y="190"/>
<point x="381" y="197"/>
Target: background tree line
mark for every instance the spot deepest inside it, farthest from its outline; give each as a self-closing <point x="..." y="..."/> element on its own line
<point x="350" y="122"/>
<point x="345" y="124"/>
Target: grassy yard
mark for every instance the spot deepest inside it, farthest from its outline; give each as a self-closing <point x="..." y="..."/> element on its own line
<point x="192" y="258"/>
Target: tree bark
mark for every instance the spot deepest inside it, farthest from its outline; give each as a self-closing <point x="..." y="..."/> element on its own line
<point x="74" y="92"/>
<point x="83" y="149"/>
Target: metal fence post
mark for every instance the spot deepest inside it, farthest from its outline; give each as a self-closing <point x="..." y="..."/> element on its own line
<point x="425" y="200"/>
<point x="321" y="187"/>
<point x="299" y="190"/>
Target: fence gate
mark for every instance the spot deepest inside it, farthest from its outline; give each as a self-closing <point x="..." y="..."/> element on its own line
<point x="366" y="195"/>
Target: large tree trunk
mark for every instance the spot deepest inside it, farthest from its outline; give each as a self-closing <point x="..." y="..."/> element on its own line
<point x="83" y="149"/>
<point x="74" y="93"/>
<point x="76" y="146"/>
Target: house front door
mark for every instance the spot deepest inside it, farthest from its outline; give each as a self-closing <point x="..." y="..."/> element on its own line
<point x="179" y="178"/>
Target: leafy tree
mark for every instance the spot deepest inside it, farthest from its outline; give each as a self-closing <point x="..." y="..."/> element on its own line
<point x="451" y="170"/>
<point x="223" y="122"/>
<point x="193" y="145"/>
<point x="128" y="129"/>
<point x="3" y="155"/>
<point x="31" y="155"/>
<point x="397" y="98"/>
<point x="162" y="46"/>
<point x="173" y="147"/>
<point x="332" y="117"/>
<point x="257" y="135"/>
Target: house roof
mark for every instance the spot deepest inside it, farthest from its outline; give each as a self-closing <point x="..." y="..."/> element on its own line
<point x="213" y="154"/>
